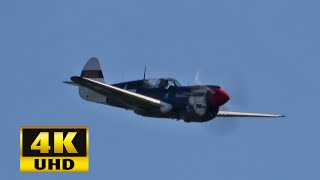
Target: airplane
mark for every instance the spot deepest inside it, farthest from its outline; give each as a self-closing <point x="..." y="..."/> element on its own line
<point x="157" y="98"/>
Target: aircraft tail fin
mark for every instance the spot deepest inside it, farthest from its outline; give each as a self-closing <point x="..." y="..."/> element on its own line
<point x="93" y="71"/>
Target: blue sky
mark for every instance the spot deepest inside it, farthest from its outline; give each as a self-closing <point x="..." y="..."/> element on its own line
<point x="274" y="44"/>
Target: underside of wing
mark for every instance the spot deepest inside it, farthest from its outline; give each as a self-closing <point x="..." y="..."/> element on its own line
<point x="130" y="98"/>
<point x="246" y="114"/>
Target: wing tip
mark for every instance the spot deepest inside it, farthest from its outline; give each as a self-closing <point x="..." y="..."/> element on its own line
<point x="278" y="116"/>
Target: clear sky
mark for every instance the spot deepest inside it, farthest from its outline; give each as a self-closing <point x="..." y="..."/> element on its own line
<point x="274" y="44"/>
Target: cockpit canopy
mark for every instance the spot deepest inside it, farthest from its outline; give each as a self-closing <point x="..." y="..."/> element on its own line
<point x="163" y="83"/>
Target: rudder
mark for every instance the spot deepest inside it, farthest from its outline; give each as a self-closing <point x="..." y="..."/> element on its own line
<point x="92" y="70"/>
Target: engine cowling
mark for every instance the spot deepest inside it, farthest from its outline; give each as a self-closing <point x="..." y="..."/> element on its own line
<point x="214" y="99"/>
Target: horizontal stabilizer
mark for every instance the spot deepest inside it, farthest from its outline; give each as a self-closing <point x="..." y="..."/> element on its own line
<point x="71" y="83"/>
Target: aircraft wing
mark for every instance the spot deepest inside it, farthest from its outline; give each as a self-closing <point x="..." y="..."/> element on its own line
<point x="246" y="114"/>
<point x="132" y="99"/>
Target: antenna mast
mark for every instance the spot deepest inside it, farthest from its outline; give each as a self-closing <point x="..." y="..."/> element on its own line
<point x="144" y="74"/>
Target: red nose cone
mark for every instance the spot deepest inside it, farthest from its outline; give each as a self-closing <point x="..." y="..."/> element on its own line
<point x="219" y="97"/>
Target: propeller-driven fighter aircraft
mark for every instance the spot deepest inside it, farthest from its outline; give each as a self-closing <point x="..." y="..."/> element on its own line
<point x="159" y="98"/>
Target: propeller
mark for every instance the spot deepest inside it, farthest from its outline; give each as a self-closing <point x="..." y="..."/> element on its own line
<point x="237" y="88"/>
<point x="237" y="91"/>
<point x="221" y="126"/>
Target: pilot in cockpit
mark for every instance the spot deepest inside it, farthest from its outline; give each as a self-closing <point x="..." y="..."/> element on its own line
<point x="163" y="84"/>
<point x="166" y="83"/>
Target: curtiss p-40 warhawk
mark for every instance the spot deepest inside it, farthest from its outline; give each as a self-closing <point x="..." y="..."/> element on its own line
<point x="158" y="98"/>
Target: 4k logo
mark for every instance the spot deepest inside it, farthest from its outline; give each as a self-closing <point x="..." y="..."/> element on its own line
<point x="54" y="149"/>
